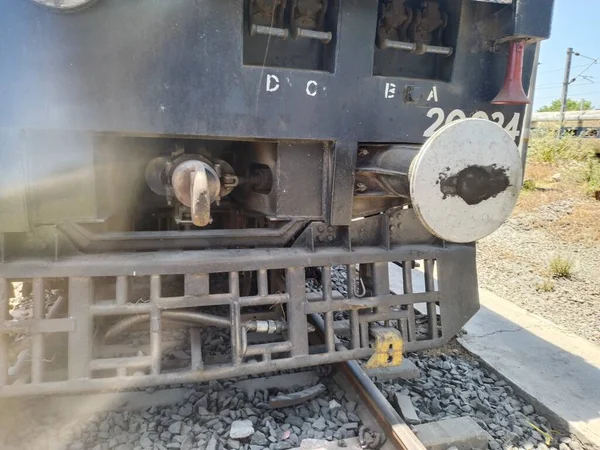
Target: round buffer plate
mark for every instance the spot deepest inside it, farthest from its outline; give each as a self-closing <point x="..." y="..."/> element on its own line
<point x="465" y="181"/>
<point x="65" y="5"/>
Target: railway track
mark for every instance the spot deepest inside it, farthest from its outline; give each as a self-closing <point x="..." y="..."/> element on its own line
<point x="323" y="407"/>
<point x="339" y="404"/>
<point x="348" y="411"/>
<point x="281" y="411"/>
<point x="396" y="430"/>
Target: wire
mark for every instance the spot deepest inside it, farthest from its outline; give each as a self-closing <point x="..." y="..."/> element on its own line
<point x="554" y="86"/>
<point x="562" y="69"/>
<point x="579" y="85"/>
<point x="594" y="61"/>
<point x="549" y="86"/>
<point x="588" y="78"/>
<point x="262" y="68"/>
<point x="575" y="93"/>
<point x="583" y="93"/>
<point x="586" y="57"/>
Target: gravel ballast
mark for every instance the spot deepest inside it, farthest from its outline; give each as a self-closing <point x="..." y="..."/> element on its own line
<point x="457" y="386"/>
<point x="217" y="416"/>
<point x="513" y="263"/>
<point x="221" y="416"/>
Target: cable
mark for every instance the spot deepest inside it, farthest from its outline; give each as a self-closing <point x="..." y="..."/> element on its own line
<point x="586" y="57"/>
<point x="588" y="78"/>
<point x="576" y="93"/>
<point x="562" y="69"/>
<point x="554" y="86"/>
<point x="594" y="61"/>
<point x="586" y="93"/>
<point x="547" y="86"/>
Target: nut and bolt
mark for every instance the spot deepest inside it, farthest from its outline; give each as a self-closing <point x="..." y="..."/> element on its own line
<point x="363" y="151"/>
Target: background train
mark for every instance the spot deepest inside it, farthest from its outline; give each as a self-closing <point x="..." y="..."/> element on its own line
<point x="577" y="123"/>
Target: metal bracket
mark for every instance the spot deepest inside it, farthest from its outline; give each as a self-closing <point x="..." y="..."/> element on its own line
<point x="418" y="49"/>
<point x="276" y="27"/>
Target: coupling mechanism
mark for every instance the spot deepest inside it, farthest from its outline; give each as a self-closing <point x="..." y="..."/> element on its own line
<point x="195" y="181"/>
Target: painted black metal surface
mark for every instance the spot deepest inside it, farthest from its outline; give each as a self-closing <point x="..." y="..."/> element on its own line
<point x="176" y="68"/>
<point x="88" y="98"/>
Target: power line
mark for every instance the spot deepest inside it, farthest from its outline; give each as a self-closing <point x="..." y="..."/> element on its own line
<point x="568" y="82"/>
<point x="576" y="93"/>
<point x="586" y="57"/>
<point x="594" y="61"/>
<point x="562" y="69"/>
<point x="554" y="86"/>
<point x="585" y="85"/>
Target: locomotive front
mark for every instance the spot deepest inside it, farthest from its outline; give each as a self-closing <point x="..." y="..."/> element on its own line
<point x="175" y="171"/>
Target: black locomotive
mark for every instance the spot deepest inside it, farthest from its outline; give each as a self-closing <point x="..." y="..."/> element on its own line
<point x="190" y="164"/>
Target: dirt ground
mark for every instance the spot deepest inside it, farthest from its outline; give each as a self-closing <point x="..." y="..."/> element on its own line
<point x="557" y="220"/>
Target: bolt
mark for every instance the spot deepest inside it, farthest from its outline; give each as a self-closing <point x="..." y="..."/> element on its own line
<point x="392" y="227"/>
<point x="320" y="238"/>
<point x="321" y="228"/>
<point x="363" y="151"/>
<point x="330" y="238"/>
<point x="330" y="229"/>
<point x="361" y="187"/>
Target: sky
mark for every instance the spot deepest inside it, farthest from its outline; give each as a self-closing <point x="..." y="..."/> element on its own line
<point x="575" y="25"/>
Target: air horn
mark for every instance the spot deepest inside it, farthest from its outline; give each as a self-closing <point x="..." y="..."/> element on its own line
<point x="512" y="92"/>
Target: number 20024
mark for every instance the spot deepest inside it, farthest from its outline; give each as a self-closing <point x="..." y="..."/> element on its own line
<point x="440" y="118"/>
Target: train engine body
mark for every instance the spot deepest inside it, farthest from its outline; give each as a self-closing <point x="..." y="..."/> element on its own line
<point x="186" y="185"/>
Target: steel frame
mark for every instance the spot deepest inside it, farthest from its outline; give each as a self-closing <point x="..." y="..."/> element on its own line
<point x="83" y="366"/>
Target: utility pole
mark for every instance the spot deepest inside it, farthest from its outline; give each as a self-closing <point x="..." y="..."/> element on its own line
<point x="565" y="90"/>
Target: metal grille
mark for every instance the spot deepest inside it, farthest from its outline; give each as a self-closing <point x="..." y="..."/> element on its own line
<point x="93" y="362"/>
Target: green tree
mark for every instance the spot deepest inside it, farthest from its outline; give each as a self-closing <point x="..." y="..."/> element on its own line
<point x="572" y="105"/>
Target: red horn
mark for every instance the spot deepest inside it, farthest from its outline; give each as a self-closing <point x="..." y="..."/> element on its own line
<point x="512" y="92"/>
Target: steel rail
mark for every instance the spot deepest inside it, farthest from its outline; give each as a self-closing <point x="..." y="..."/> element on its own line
<point x="396" y="430"/>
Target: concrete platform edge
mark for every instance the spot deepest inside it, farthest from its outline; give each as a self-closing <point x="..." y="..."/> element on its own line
<point x="556" y="420"/>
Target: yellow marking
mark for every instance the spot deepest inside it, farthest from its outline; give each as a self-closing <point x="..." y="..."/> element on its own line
<point x="388" y="348"/>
